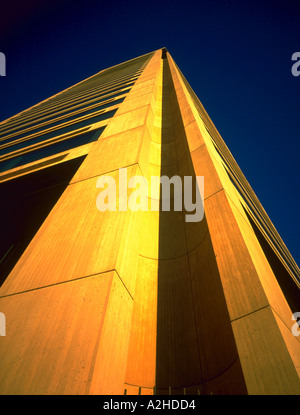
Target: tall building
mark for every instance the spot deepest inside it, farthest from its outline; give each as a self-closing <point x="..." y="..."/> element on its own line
<point x="137" y="301"/>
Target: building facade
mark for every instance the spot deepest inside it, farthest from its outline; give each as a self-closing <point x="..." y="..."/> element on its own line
<point x="137" y="301"/>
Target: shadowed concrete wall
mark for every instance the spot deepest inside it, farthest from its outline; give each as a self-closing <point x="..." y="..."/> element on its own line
<point x="195" y="342"/>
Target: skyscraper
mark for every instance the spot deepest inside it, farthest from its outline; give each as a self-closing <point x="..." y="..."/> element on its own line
<point x="137" y="301"/>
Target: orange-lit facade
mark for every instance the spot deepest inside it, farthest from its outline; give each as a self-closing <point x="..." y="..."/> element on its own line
<point x="137" y="302"/>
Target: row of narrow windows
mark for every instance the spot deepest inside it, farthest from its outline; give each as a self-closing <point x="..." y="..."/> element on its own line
<point x="11" y="146"/>
<point x="100" y="103"/>
<point x="64" y="98"/>
<point x="52" y="110"/>
<point x="55" y="147"/>
<point x="52" y="149"/>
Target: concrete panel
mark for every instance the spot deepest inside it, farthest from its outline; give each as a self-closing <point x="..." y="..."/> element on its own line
<point x="216" y="341"/>
<point x="75" y="240"/>
<point x="53" y="336"/>
<point x="266" y="363"/>
<point x="134" y="102"/>
<point x="204" y="167"/>
<point x="242" y="288"/>
<point x="194" y="136"/>
<point x="111" y="153"/>
<point x="178" y="351"/>
<point x="126" y="121"/>
<point x="292" y="342"/>
<point x="142" y="349"/>
<point x="264" y="271"/>
<point x="227" y="383"/>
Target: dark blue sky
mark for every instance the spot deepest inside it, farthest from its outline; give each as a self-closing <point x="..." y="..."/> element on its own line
<point x="236" y="55"/>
